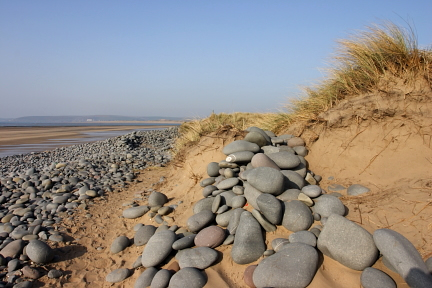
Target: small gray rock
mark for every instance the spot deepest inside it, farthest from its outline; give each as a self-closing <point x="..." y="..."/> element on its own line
<point x="213" y="169"/>
<point x="285" y="159"/>
<point x="240" y="156"/>
<point x="161" y="279"/>
<point x="248" y="243"/>
<point x="157" y="199"/>
<point x="348" y="243"/>
<point x="357" y="189"/>
<point x="293" y="266"/>
<point x="262" y="160"/>
<point x="240" y="145"/>
<point x="325" y="205"/>
<point x="293" y="180"/>
<point x="187" y="277"/>
<point x="118" y="275"/>
<point x="288" y="195"/>
<point x="312" y="191"/>
<point x="297" y="216"/>
<point x="200" y="220"/>
<point x="403" y="256"/>
<point x="203" y="204"/>
<point x="119" y="244"/>
<point x="158" y="248"/>
<point x="185" y="242"/>
<point x="269" y="227"/>
<point x="200" y="257"/>
<point x="227" y="183"/>
<point x="270" y="207"/>
<point x="238" y="201"/>
<point x="39" y="252"/>
<point x="372" y="278"/>
<point x="145" y="279"/>
<point x="258" y="138"/>
<point x="305" y="237"/>
<point x="143" y="235"/>
<point x="266" y="180"/>
<point x="135" y="212"/>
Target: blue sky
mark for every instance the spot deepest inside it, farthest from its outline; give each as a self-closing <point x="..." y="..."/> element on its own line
<point x="176" y="58"/>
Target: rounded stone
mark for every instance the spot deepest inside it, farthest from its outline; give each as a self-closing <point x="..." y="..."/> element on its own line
<point x="143" y="235"/>
<point x="161" y="279"/>
<point x="234" y="220"/>
<point x="269" y="227"/>
<point x="208" y="190"/>
<point x="248" y="243"/>
<point x="295" y="141"/>
<point x="285" y="159"/>
<point x="240" y="145"/>
<point x="301" y="150"/>
<point x="54" y="274"/>
<point x="157" y="199"/>
<point x="239" y="157"/>
<point x="266" y="180"/>
<point x="248" y="274"/>
<point x="262" y="160"/>
<point x="238" y="201"/>
<point x="294" y="266"/>
<point x="145" y="279"/>
<point x="288" y="195"/>
<point x="213" y="169"/>
<point x="39" y="252"/>
<point x="158" y="248"/>
<point x="258" y="138"/>
<point x="223" y="219"/>
<point x="228" y="183"/>
<point x="297" y="216"/>
<point x="348" y="243"/>
<point x="117" y="275"/>
<point x="403" y="257"/>
<point x="357" y="189"/>
<point x="372" y="278"/>
<point x="188" y="277"/>
<point x="312" y="191"/>
<point x="203" y="204"/>
<point x="270" y="207"/>
<point x="207" y="181"/>
<point x="211" y="236"/>
<point x="325" y="205"/>
<point x="30" y="272"/>
<point x="200" y="220"/>
<point x="119" y="244"/>
<point x="13" y="249"/>
<point x="135" y="212"/>
<point x="305" y="237"/>
<point x="200" y="257"/>
<point x="185" y="242"/>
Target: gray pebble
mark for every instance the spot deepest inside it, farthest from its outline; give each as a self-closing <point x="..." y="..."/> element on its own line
<point x="117" y="275"/>
<point x="372" y="278"/>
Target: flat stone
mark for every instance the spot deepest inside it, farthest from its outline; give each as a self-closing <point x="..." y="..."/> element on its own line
<point x="188" y="277"/>
<point x="372" y="278"/>
<point x="216" y="203"/>
<point x="228" y="183"/>
<point x="270" y="207"/>
<point x="213" y="169"/>
<point x="200" y="257"/>
<point x="145" y="279"/>
<point x="248" y="243"/>
<point x="305" y="237"/>
<point x="301" y="150"/>
<point x="39" y="252"/>
<point x="238" y="201"/>
<point x="266" y="180"/>
<point x="240" y="145"/>
<point x="157" y="199"/>
<point x="251" y="194"/>
<point x="258" y="138"/>
<point x="200" y="220"/>
<point x="143" y="235"/>
<point x="297" y="216"/>
<point x="207" y="181"/>
<point x="294" y="266"/>
<point x="119" y="244"/>
<point x="211" y="236"/>
<point x="239" y="157"/>
<point x="227" y="197"/>
<point x="30" y="272"/>
<point x="285" y="159"/>
<point x="295" y="141"/>
<point x="207" y="191"/>
<point x="357" y="189"/>
<point x="117" y="275"/>
<point x="185" y="242"/>
<point x="312" y="191"/>
<point x="203" y="204"/>
<point x="161" y="279"/>
<point x="305" y="199"/>
<point x="403" y="257"/>
<point x="348" y="243"/>
<point x="158" y="248"/>
<point x="262" y="160"/>
<point x="325" y="205"/>
<point x="13" y="249"/>
<point x="288" y="195"/>
<point x="135" y="212"/>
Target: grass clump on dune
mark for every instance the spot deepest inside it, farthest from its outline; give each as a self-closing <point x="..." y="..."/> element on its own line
<point x="192" y="131"/>
<point x="359" y="65"/>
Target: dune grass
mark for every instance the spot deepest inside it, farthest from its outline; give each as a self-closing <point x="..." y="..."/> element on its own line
<point x="360" y="63"/>
<point x="192" y="131"/>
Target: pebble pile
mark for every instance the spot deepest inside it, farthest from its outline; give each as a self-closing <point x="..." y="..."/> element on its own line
<point x="38" y="189"/>
<point x="263" y="183"/>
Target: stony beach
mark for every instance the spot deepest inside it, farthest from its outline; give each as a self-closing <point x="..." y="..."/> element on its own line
<point x="258" y="210"/>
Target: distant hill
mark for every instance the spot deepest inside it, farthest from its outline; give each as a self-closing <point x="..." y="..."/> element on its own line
<point x="88" y="118"/>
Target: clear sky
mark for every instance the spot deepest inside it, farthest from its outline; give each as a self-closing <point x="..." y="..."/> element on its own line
<point x="176" y="58"/>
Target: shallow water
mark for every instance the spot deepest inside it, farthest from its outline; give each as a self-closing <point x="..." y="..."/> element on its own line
<point x="51" y="144"/>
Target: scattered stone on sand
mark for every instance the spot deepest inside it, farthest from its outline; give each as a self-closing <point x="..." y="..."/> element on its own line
<point x="118" y="275"/>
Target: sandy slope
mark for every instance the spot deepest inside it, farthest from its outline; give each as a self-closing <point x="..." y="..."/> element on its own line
<point x="391" y="154"/>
